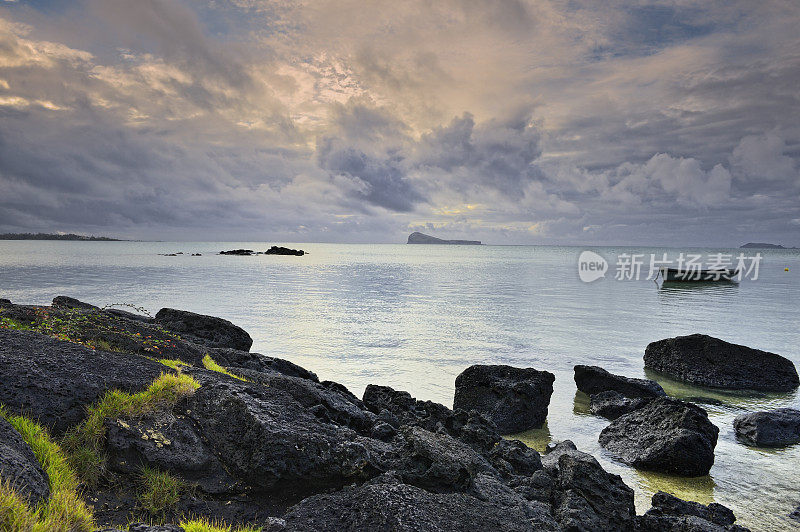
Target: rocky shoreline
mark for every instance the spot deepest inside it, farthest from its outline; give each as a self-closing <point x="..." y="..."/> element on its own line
<point x="170" y="423"/>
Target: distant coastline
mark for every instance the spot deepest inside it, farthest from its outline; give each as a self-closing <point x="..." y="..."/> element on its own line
<point x="51" y="236"/>
<point x="762" y="245"/>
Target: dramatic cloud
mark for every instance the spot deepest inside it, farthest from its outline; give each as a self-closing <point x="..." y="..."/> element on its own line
<point x="512" y="121"/>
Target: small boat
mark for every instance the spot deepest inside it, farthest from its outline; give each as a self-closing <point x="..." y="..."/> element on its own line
<point x="724" y="275"/>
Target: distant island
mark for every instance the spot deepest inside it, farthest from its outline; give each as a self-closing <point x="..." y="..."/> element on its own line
<point x="761" y="245"/>
<point x="51" y="236"/>
<point x="419" y="238"/>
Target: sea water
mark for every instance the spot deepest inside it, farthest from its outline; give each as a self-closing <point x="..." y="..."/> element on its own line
<point x="413" y="317"/>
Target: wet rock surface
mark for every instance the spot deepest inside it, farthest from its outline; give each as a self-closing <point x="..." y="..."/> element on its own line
<point x="594" y="379"/>
<point x="19" y="467"/>
<point x="665" y="435"/>
<point x="514" y="399"/>
<point x="706" y="361"/>
<point x="772" y="428"/>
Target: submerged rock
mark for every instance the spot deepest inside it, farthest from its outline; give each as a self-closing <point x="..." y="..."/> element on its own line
<point x="706" y="361"/>
<point x="594" y="379"/>
<point x="19" y="467"/>
<point x="611" y="404"/>
<point x="204" y="330"/>
<point x="387" y="504"/>
<point x="769" y="429"/>
<point x="514" y="399"/>
<point x="665" y="435"/>
<point x="671" y="514"/>
<point x="54" y="381"/>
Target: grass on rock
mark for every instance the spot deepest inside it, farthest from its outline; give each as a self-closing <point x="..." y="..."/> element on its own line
<point x="209" y="364"/>
<point x="64" y="510"/>
<point x="85" y="442"/>
<point x="204" y="525"/>
<point x="160" y="491"/>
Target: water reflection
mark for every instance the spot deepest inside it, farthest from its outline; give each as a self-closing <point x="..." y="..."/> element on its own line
<point x="580" y="404"/>
<point x="534" y="438"/>
<point x="700" y="489"/>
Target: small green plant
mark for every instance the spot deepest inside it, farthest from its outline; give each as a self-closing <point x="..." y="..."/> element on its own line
<point x="85" y="442"/>
<point x="9" y="323"/>
<point x="205" y="525"/>
<point x="172" y="363"/>
<point x="64" y="509"/>
<point x="209" y="364"/>
<point x="160" y="491"/>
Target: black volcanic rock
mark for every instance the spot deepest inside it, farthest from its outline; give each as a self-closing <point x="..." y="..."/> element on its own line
<point x="66" y="302"/>
<point x="514" y="399"/>
<point x="671" y="514"/>
<point x="706" y="361"/>
<point x="769" y="429"/>
<point x="665" y="435"/>
<point x="594" y="379"/>
<point x="388" y="504"/>
<point x="19" y="467"/>
<point x="241" y="252"/>
<point x="204" y="330"/>
<point x="611" y="404"/>
<point x="280" y="250"/>
<point x="235" y="358"/>
<point x="589" y="498"/>
<point x="54" y="381"/>
<point x="419" y="238"/>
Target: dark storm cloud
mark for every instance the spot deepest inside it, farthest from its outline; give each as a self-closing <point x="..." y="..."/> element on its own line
<point x="514" y="121"/>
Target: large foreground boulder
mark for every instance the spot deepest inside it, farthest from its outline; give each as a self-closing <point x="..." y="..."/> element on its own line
<point x="54" y="381"/>
<point x="769" y="429"/>
<point x="209" y="331"/>
<point x="665" y="435"/>
<point x="594" y="379"/>
<point x="671" y="514"/>
<point x="515" y="399"/>
<point x="387" y="504"/>
<point x="707" y="361"/>
<point x="587" y="497"/>
<point x="19" y="467"/>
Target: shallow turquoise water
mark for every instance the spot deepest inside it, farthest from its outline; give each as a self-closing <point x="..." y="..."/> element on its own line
<point x="413" y="317"/>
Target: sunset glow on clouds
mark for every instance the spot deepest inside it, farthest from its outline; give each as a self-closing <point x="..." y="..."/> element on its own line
<point x="669" y="122"/>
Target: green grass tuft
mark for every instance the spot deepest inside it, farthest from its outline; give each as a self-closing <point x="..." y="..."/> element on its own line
<point x="172" y="363"/>
<point x="160" y="491"/>
<point x="64" y="510"/>
<point x="85" y="442"/>
<point x="204" y="525"/>
<point x="209" y="364"/>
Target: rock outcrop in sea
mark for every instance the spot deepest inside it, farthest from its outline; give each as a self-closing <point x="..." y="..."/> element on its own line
<point x="241" y="438"/>
<point x="706" y="361"/>
<point x="772" y="428"/>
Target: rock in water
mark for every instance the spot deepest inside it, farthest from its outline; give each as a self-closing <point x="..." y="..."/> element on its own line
<point x="204" y="330"/>
<point x="594" y="379"/>
<point x="665" y="435"/>
<point x="671" y="514"/>
<point x="707" y="361"/>
<point x="515" y="399"/>
<point x="769" y="429"/>
<point x="611" y="404"/>
<point x="19" y="467"/>
<point x="280" y="250"/>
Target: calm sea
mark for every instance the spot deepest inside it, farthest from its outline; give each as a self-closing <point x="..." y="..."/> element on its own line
<point x="413" y="317"/>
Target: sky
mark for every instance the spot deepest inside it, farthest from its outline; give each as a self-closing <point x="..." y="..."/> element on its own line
<point x="621" y="122"/>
